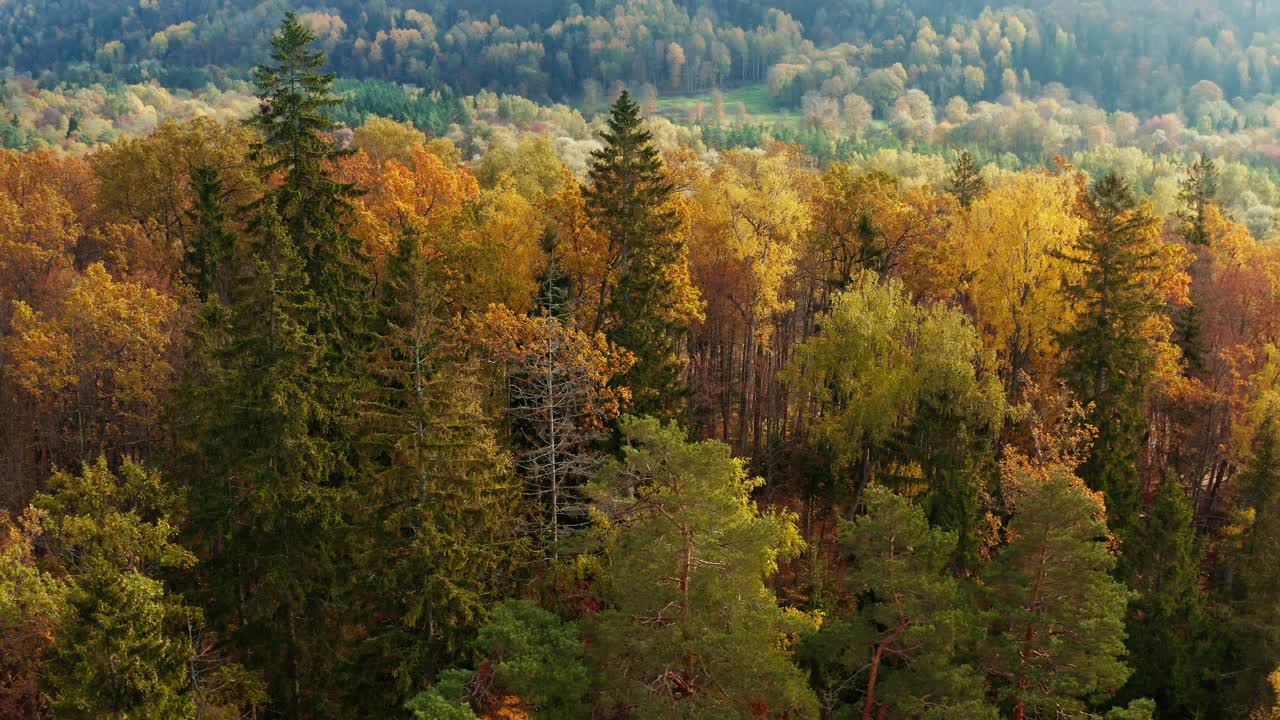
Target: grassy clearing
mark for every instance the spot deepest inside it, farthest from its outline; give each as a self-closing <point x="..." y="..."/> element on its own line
<point x="754" y="98"/>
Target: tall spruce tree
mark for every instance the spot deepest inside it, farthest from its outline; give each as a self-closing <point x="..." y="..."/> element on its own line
<point x="1197" y="192"/>
<point x="965" y="181"/>
<point x="1109" y="358"/>
<point x="1168" y="620"/>
<point x="267" y="433"/>
<point x="628" y="197"/>
<point x="441" y="511"/>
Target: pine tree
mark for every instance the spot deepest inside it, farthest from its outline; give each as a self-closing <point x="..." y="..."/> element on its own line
<point x="965" y="181"/>
<point x="628" y="198"/>
<point x="692" y="631"/>
<point x="1110" y="358"/>
<point x="913" y="623"/>
<point x="1167" y="621"/>
<point x="1057" y="636"/>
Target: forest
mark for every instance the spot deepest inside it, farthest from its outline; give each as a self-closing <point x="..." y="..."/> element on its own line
<point x="350" y="372"/>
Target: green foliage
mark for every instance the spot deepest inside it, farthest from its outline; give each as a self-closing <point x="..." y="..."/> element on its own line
<point x="1168" y="643"/>
<point x="440" y="512"/>
<point x="524" y="652"/>
<point x="1110" y="359"/>
<point x="628" y="198"/>
<point x="1251" y="588"/>
<point x="123" y="648"/>
<point x="1057" y="634"/>
<point x="906" y="389"/>
<point x="965" y="180"/>
<point x="913" y="628"/>
<point x="211" y="249"/>
<point x="1197" y="193"/>
<point x="691" y="630"/>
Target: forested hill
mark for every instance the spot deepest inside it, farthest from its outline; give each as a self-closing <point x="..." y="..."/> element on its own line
<point x="1128" y="54"/>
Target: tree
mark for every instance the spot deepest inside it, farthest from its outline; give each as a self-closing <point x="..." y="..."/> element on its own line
<point x="269" y="407"/>
<point x="528" y="658"/>
<point x="33" y="602"/>
<point x="211" y="249"/>
<point x="440" y="513"/>
<point x="691" y="629"/>
<point x="913" y="625"/>
<point x="630" y="202"/>
<point x="965" y="181"/>
<point x="1197" y="192"/>
<point x="295" y="125"/>
<point x="1057" y="633"/>
<point x="1126" y="276"/>
<point x="905" y="393"/>
<point x="266" y="510"/>
<point x="1010" y="243"/>
<point x="122" y="647"/>
<point x="97" y="365"/>
<point x="1251" y="586"/>
<point x="1167" y="620"/>
<point x="752" y="219"/>
<point x="558" y="387"/>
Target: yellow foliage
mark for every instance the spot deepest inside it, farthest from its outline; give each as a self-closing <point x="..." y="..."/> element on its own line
<point x="1008" y="242"/>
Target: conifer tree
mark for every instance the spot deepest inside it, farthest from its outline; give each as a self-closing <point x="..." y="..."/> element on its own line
<point x="1251" y="588"/>
<point x="295" y="123"/>
<point x="628" y="197"/>
<point x="906" y="643"/>
<point x="1167" y="620"/>
<point x="211" y="249"/>
<point x="1197" y="193"/>
<point x="692" y="630"/>
<point x="121" y="648"/>
<point x="965" y="181"/>
<point x="266" y="514"/>
<point x="267" y="433"/>
<point x="442" y="510"/>
<point x="1057" y="636"/>
<point x="1110" y="358"/>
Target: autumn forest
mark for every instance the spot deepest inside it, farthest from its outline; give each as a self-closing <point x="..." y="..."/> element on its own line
<point x="650" y="359"/>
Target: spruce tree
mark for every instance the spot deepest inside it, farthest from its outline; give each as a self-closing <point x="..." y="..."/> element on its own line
<point x="1167" y="620"/>
<point x="1251" y="586"/>
<point x="628" y="198"/>
<point x="965" y="181"/>
<point x="441" y="512"/>
<point x="266" y="431"/>
<point x="211" y="249"/>
<point x="265" y="511"/>
<point x="1197" y="193"/>
<point x="295" y="124"/>
<point x="1109" y="358"/>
